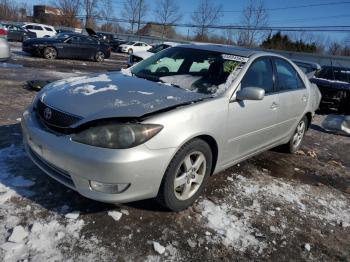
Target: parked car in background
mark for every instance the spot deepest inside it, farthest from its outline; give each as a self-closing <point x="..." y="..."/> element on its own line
<point x="137" y="57"/>
<point x="134" y="46"/>
<point x="18" y="33"/>
<point x="121" y="137"/>
<point x="68" y="45"/>
<point x="4" y="49"/>
<point x="3" y="32"/>
<point x="40" y="29"/>
<point x="334" y="84"/>
<point x="309" y="68"/>
<point x="4" y="46"/>
<point x="109" y="38"/>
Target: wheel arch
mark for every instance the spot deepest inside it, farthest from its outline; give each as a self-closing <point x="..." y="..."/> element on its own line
<point x="309" y="119"/>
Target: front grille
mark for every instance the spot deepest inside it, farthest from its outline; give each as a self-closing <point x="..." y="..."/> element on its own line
<point x="57" y="173"/>
<point x="55" y="118"/>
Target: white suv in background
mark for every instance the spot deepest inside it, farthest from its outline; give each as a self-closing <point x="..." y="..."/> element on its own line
<point x="40" y="29"/>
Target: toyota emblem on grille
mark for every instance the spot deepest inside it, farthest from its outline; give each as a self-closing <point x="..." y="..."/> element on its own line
<point x="47" y="113"/>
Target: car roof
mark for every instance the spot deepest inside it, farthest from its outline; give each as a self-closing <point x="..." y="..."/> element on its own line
<point x="336" y="67"/>
<point x="226" y="49"/>
<point x="38" y="24"/>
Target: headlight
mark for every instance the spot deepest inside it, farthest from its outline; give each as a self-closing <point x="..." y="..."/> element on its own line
<point x="117" y="136"/>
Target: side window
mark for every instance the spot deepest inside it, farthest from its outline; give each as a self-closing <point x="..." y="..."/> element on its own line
<point x="38" y="28"/>
<point x="287" y="77"/>
<point x="29" y="27"/>
<point x="259" y="74"/>
<point x="74" y="40"/>
<point x="197" y="67"/>
<point x="48" y="29"/>
<point x="138" y="44"/>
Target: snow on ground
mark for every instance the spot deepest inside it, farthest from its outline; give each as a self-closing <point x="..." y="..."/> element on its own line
<point x="37" y="238"/>
<point x="234" y="225"/>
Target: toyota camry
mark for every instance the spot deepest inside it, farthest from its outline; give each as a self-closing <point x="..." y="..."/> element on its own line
<point x="161" y="128"/>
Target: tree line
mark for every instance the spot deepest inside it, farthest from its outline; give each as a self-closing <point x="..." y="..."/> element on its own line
<point x="206" y="14"/>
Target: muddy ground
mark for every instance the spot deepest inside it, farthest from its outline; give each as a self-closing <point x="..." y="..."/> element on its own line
<point x="273" y="207"/>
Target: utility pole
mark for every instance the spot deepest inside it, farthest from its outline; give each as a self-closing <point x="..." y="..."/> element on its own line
<point x="139" y="21"/>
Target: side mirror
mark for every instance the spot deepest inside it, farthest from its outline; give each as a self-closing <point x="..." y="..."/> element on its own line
<point x="250" y="93"/>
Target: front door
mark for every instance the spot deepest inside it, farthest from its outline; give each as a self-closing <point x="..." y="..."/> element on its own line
<point x="252" y="124"/>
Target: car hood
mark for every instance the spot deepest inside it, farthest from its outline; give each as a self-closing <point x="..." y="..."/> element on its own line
<point x="143" y="54"/>
<point x="113" y="95"/>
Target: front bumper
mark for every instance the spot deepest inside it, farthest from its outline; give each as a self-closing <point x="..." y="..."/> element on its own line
<point x="74" y="164"/>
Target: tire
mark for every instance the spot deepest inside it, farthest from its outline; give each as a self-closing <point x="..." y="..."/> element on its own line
<point x="190" y="178"/>
<point x="162" y="69"/>
<point x="50" y="53"/>
<point x="297" y="138"/>
<point x="99" y="56"/>
<point x="130" y="51"/>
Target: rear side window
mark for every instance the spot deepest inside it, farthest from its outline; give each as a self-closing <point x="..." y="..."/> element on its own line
<point x="287" y="77"/>
<point x="259" y="74"/>
<point x="48" y="29"/>
<point x="36" y="27"/>
<point x="29" y="27"/>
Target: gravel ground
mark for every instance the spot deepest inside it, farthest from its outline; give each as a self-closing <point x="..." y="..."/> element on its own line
<point x="272" y="207"/>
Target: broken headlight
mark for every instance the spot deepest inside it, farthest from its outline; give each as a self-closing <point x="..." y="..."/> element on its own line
<point x="117" y="136"/>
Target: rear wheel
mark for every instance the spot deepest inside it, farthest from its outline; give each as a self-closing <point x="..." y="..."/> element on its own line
<point x="297" y="138"/>
<point x="99" y="56"/>
<point x="185" y="176"/>
<point x="50" y="53"/>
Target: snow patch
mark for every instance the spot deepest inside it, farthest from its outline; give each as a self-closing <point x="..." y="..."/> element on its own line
<point x="235" y="232"/>
<point x="73" y="215"/>
<point x="116" y="215"/>
<point x="91" y="89"/>
<point x="158" y="247"/>
<point x="18" y="234"/>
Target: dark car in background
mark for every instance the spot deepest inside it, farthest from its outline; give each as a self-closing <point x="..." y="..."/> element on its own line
<point x="334" y="85"/>
<point x="68" y="45"/>
<point x="17" y="33"/>
<point x="108" y="38"/>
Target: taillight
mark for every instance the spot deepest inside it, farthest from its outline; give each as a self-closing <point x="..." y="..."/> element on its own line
<point x="3" y="32"/>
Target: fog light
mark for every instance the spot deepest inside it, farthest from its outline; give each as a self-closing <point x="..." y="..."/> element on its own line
<point x="108" y="188"/>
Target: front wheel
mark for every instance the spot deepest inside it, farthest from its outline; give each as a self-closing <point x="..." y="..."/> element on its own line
<point x="185" y="176"/>
<point x="297" y="138"/>
<point x="50" y="53"/>
<point x="99" y="56"/>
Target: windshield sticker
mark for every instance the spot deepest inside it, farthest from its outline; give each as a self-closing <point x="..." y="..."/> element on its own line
<point x="235" y="58"/>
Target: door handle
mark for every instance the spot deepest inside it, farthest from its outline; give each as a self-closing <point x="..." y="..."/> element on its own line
<point x="274" y="106"/>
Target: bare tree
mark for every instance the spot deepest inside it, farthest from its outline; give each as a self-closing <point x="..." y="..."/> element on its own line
<point x="134" y="11"/>
<point x="69" y="9"/>
<point x="254" y="16"/>
<point x="167" y="12"/>
<point x="205" y="15"/>
<point x="90" y="10"/>
<point x="335" y="48"/>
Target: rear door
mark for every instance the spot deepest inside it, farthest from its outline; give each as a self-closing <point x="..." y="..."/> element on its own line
<point x="293" y="96"/>
<point x="252" y="124"/>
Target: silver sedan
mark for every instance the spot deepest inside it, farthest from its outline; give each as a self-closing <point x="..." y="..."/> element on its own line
<point x="161" y="128"/>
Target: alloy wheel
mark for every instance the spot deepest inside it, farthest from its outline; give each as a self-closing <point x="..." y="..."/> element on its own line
<point x="299" y="134"/>
<point x="190" y="175"/>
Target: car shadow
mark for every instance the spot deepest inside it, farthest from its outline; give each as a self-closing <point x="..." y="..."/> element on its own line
<point x="22" y="176"/>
